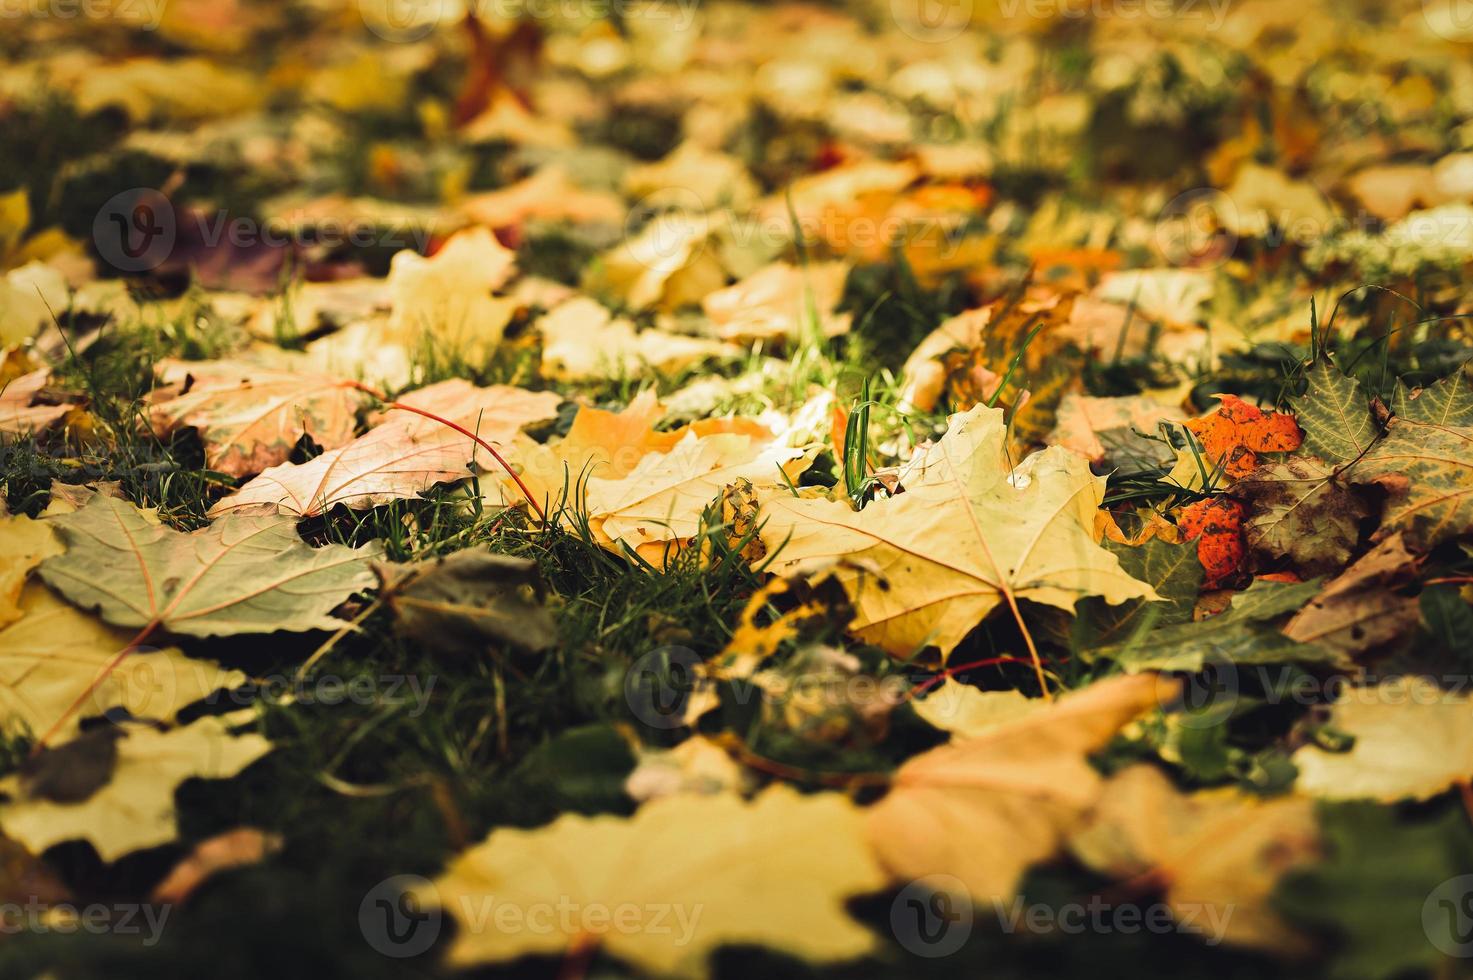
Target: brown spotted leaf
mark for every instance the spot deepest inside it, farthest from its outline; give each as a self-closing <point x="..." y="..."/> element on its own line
<point x="1299" y="511"/>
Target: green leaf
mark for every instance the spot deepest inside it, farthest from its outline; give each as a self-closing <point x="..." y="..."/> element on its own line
<point x="1244" y="634"/>
<point x="1171" y="569"/>
<point x="239" y="575"/>
<point x="1445" y="402"/>
<point x="1334" y="414"/>
<point x="1427" y="471"/>
<point x="1448" y="618"/>
<point x="1371" y="892"/>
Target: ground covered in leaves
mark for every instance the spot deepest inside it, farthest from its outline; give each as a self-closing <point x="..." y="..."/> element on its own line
<point x="648" y="488"/>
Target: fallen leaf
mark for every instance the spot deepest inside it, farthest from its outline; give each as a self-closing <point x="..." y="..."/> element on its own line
<point x="54" y="653"/>
<point x="985" y="809"/>
<point x="1216" y="525"/>
<point x="697" y="861"/>
<point x="24" y="544"/>
<point x="1360" y="609"/>
<point x="1094" y="427"/>
<point x="1244" y="634"/>
<point x="448" y="296"/>
<point x="403" y="456"/>
<point x="135" y="809"/>
<point x="1301" y="512"/>
<point x="1448" y="401"/>
<point x="239" y="575"/>
<point x="582" y="340"/>
<point x="781" y="302"/>
<point x="1334" y="414"/>
<point x="1427" y="472"/>
<point x="967" y="533"/>
<point x="1234" y="435"/>
<point x="656" y="509"/>
<point x="1413" y="741"/>
<point x="1169" y="568"/>
<point x="469" y="601"/>
<point x="236" y="848"/>
<point x="1217" y="854"/>
<point x="252" y="416"/>
<point x="17" y="415"/>
<point x="966" y="712"/>
<point x="696" y="766"/>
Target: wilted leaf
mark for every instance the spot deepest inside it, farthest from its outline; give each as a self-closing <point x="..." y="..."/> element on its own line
<point x="1413" y="740"/>
<point x="17" y="415"/>
<point x="1301" y="512"/>
<point x="403" y="456"/>
<point x="470" y="600"/>
<point x="136" y="808"/>
<point x="1445" y="402"/>
<point x="987" y="808"/>
<point x="1217" y="854"/>
<point x="1427" y="471"/>
<point x="239" y="575"/>
<point x="1216" y="525"/>
<point x="1360" y="609"/>
<point x="251" y="416"/>
<point x="1234" y="435"/>
<point x="701" y="859"/>
<point x="967" y="532"/>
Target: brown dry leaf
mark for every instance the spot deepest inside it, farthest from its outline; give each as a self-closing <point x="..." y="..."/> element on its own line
<point x="17" y="415"/>
<point x="778" y="301"/>
<point x="401" y="457"/>
<point x="582" y="340"/>
<point x="547" y="195"/>
<point x="970" y="532"/>
<point x="1361" y="609"/>
<point x="1217" y="855"/>
<point x="448" y="295"/>
<point x="1086" y="424"/>
<point x="987" y="808"/>
<point x="233" y="849"/>
<point x="251" y="416"/>
<point x="656" y="509"/>
<point x="1302" y="512"/>
<point x="24" y="544"/>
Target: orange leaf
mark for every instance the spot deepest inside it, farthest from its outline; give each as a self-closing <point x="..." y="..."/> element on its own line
<point x="1216" y="524"/>
<point x="1237" y="432"/>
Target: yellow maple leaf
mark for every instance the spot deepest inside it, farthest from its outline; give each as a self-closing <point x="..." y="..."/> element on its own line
<point x="136" y="808"/>
<point x="984" y="809"/>
<point x="1217" y="854"/>
<point x="1413" y="740"/>
<point x="968" y="533"/>
<point x="24" y="544"/>
<point x="54" y="653"/>
<point x="664" y="888"/>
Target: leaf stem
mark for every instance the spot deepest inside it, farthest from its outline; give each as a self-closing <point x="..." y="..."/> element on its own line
<point x="102" y="675"/>
<point x="400" y="406"/>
